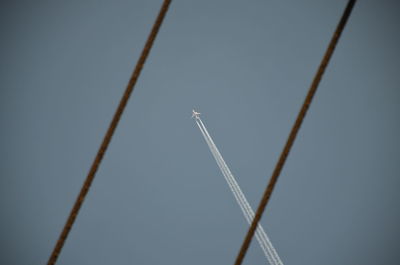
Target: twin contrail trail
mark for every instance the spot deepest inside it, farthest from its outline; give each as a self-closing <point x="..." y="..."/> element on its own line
<point x="261" y="236"/>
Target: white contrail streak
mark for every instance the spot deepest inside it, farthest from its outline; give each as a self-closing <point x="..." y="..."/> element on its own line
<point x="261" y="236"/>
<point x="237" y="193"/>
<point x="247" y="211"/>
<point x="238" y="198"/>
<point x="250" y="213"/>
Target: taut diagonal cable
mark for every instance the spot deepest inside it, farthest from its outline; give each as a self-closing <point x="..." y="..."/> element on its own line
<point x="293" y="132"/>
<point x="110" y="131"/>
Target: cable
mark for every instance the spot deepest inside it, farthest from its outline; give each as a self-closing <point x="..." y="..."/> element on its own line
<point x="293" y="132"/>
<point x="110" y="131"/>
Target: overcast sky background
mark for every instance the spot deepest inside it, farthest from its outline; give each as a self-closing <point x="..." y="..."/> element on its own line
<point x="158" y="197"/>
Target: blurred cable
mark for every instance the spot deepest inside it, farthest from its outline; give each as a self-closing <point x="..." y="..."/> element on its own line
<point x="293" y="132"/>
<point x="110" y="131"/>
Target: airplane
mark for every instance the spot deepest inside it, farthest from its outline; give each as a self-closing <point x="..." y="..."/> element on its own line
<point x="195" y="114"/>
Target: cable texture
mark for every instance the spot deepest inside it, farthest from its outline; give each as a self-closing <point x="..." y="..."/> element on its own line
<point x="293" y="132"/>
<point x="110" y="131"/>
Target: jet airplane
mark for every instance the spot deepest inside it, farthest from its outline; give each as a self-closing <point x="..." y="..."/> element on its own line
<point x="195" y="114"/>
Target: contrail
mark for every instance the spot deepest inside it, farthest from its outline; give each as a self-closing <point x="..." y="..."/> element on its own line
<point x="238" y="198"/>
<point x="248" y="212"/>
<point x="265" y="243"/>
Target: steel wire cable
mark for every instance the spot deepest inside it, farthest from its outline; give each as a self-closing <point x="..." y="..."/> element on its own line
<point x="110" y="131"/>
<point x="293" y="133"/>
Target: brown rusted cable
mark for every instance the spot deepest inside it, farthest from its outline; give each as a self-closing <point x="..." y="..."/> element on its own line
<point x="110" y="131"/>
<point x="293" y="132"/>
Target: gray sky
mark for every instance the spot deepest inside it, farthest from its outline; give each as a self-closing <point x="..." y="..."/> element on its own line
<point x="159" y="197"/>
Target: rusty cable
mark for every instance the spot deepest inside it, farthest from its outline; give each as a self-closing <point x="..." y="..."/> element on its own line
<point x="110" y="131"/>
<point x="293" y="133"/>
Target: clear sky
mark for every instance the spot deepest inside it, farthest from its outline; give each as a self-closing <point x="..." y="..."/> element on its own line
<point x="159" y="197"/>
